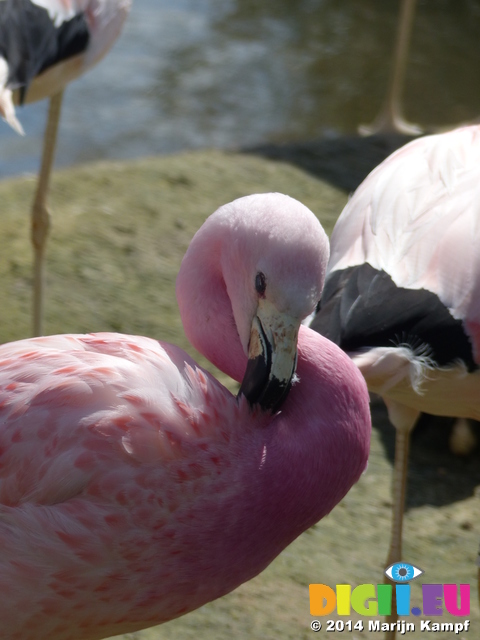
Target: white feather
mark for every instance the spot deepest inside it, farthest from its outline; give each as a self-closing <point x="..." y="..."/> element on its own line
<point x="436" y="180"/>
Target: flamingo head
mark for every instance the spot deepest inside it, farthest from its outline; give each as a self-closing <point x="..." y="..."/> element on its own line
<point x="273" y="258"/>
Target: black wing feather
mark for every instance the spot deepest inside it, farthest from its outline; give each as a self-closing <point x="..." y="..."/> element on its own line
<point x="30" y="42"/>
<point x="362" y="307"/>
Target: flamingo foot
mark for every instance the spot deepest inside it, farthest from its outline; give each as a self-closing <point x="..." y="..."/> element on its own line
<point x="462" y="440"/>
<point x="388" y="123"/>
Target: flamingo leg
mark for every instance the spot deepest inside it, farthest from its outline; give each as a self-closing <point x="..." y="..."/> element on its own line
<point x="40" y="216"/>
<point x="478" y="576"/>
<point x="403" y="419"/>
<point x="390" y="118"/>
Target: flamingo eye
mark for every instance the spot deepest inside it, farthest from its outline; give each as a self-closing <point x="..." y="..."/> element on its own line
<point x="260" y="283"/>
<point x="402" y="572"/>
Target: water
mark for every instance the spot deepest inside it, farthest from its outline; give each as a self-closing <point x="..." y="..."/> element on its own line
<point x="188" y="74"/>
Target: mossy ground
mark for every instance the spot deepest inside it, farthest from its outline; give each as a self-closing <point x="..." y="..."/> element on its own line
<point x="119" y="233"/>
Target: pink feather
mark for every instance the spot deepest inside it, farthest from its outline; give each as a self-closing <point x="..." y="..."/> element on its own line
<point x="133" y="486"/>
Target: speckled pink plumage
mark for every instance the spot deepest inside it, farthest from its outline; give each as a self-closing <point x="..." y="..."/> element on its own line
<point x="133" y="486"/>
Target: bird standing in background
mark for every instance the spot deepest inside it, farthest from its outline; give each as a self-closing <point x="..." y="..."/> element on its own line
<point x="44" y="45"/>
<point x="133" y="486"/>
<point x="402" y="293"/>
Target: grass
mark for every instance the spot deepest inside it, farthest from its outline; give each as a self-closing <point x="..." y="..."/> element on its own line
<point x="119" y="233"/>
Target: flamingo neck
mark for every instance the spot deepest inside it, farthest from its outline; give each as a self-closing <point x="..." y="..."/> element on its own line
<point x="317" y="446"/>
<point x="205" y="307"/>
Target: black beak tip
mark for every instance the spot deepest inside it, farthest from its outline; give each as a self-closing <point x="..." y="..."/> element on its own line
<point x="259" y="388"/>
<point x="274" y="395"/>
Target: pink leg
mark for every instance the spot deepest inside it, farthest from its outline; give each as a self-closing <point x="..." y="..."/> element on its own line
<point x="40" y="216"/>
<point x="403" y="419"/>
<point x="390" y="119"/>
<point x="478" y="576"/>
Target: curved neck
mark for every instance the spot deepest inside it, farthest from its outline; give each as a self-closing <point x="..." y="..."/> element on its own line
<point x="205" y="307"/>
<point x="331" y="392"/>
<point x="324" y="424"/>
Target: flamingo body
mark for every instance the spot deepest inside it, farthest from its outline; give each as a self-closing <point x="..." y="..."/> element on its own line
<point x="133" y="486"/>
<point x="402" y="293"/>
<point x="45" y="44"/>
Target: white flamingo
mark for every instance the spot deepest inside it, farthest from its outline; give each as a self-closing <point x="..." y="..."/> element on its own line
<point x="402" y="294"/>
<point x="44" y="45"/>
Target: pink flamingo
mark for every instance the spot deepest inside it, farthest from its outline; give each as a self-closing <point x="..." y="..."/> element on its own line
<point x="402" y="294"/>
<point x="133" y="486"/>
<point x="44" y="45"/>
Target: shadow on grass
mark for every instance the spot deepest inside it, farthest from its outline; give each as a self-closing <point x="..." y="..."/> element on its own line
<point x="342" y="161"/>
<point x="436" y="476"/>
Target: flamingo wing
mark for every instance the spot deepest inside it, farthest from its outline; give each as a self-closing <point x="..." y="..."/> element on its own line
<point x="405" y="266"/>
<point x="76" y="407"/>
<point x="36" y="35"/>
<point x="45" y="44"/>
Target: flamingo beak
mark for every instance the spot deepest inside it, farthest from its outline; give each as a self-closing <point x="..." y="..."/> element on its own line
<point x="272" y="357"/>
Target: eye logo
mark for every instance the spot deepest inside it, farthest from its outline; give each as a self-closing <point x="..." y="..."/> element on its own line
<point x="373" y="600"/>
<point x="402" y="572"/>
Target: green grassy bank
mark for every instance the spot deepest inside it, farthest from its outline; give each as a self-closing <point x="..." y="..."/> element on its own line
<point x="119" y="233"/>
